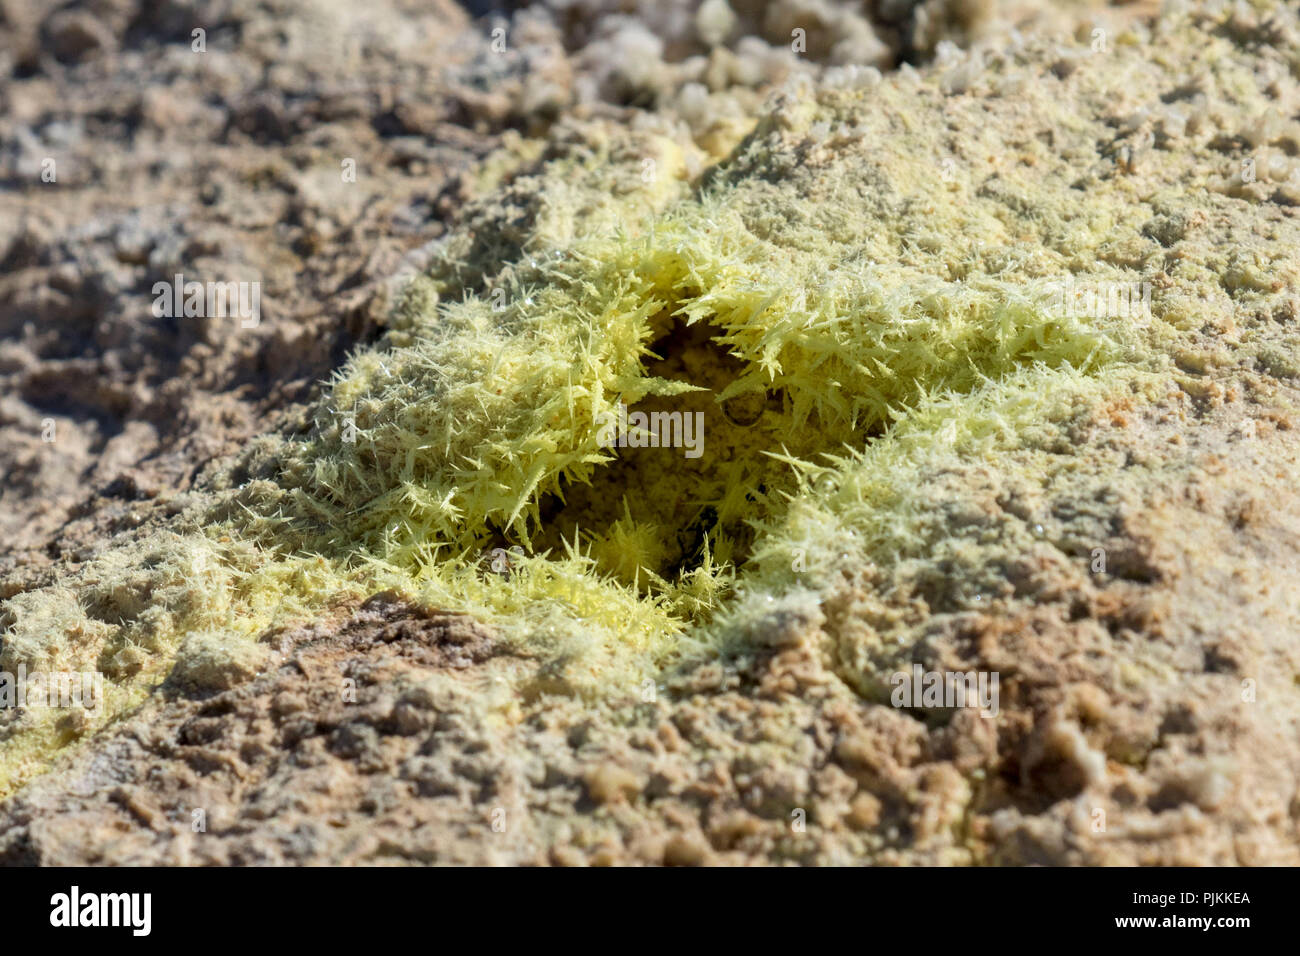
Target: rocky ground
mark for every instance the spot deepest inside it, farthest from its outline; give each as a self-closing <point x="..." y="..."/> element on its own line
<point x="1148" y="711"/>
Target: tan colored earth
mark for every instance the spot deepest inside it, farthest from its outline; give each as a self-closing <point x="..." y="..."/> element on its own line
<point x="1149" y="708"/>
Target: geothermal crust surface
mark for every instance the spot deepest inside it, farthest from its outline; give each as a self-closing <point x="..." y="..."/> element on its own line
<point x="997" y="363"/>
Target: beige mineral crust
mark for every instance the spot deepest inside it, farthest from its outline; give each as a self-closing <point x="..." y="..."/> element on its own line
<point x="1114" y="533"/>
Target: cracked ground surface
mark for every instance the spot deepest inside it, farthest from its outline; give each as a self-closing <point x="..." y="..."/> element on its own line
<point x="1149" y="712"/>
